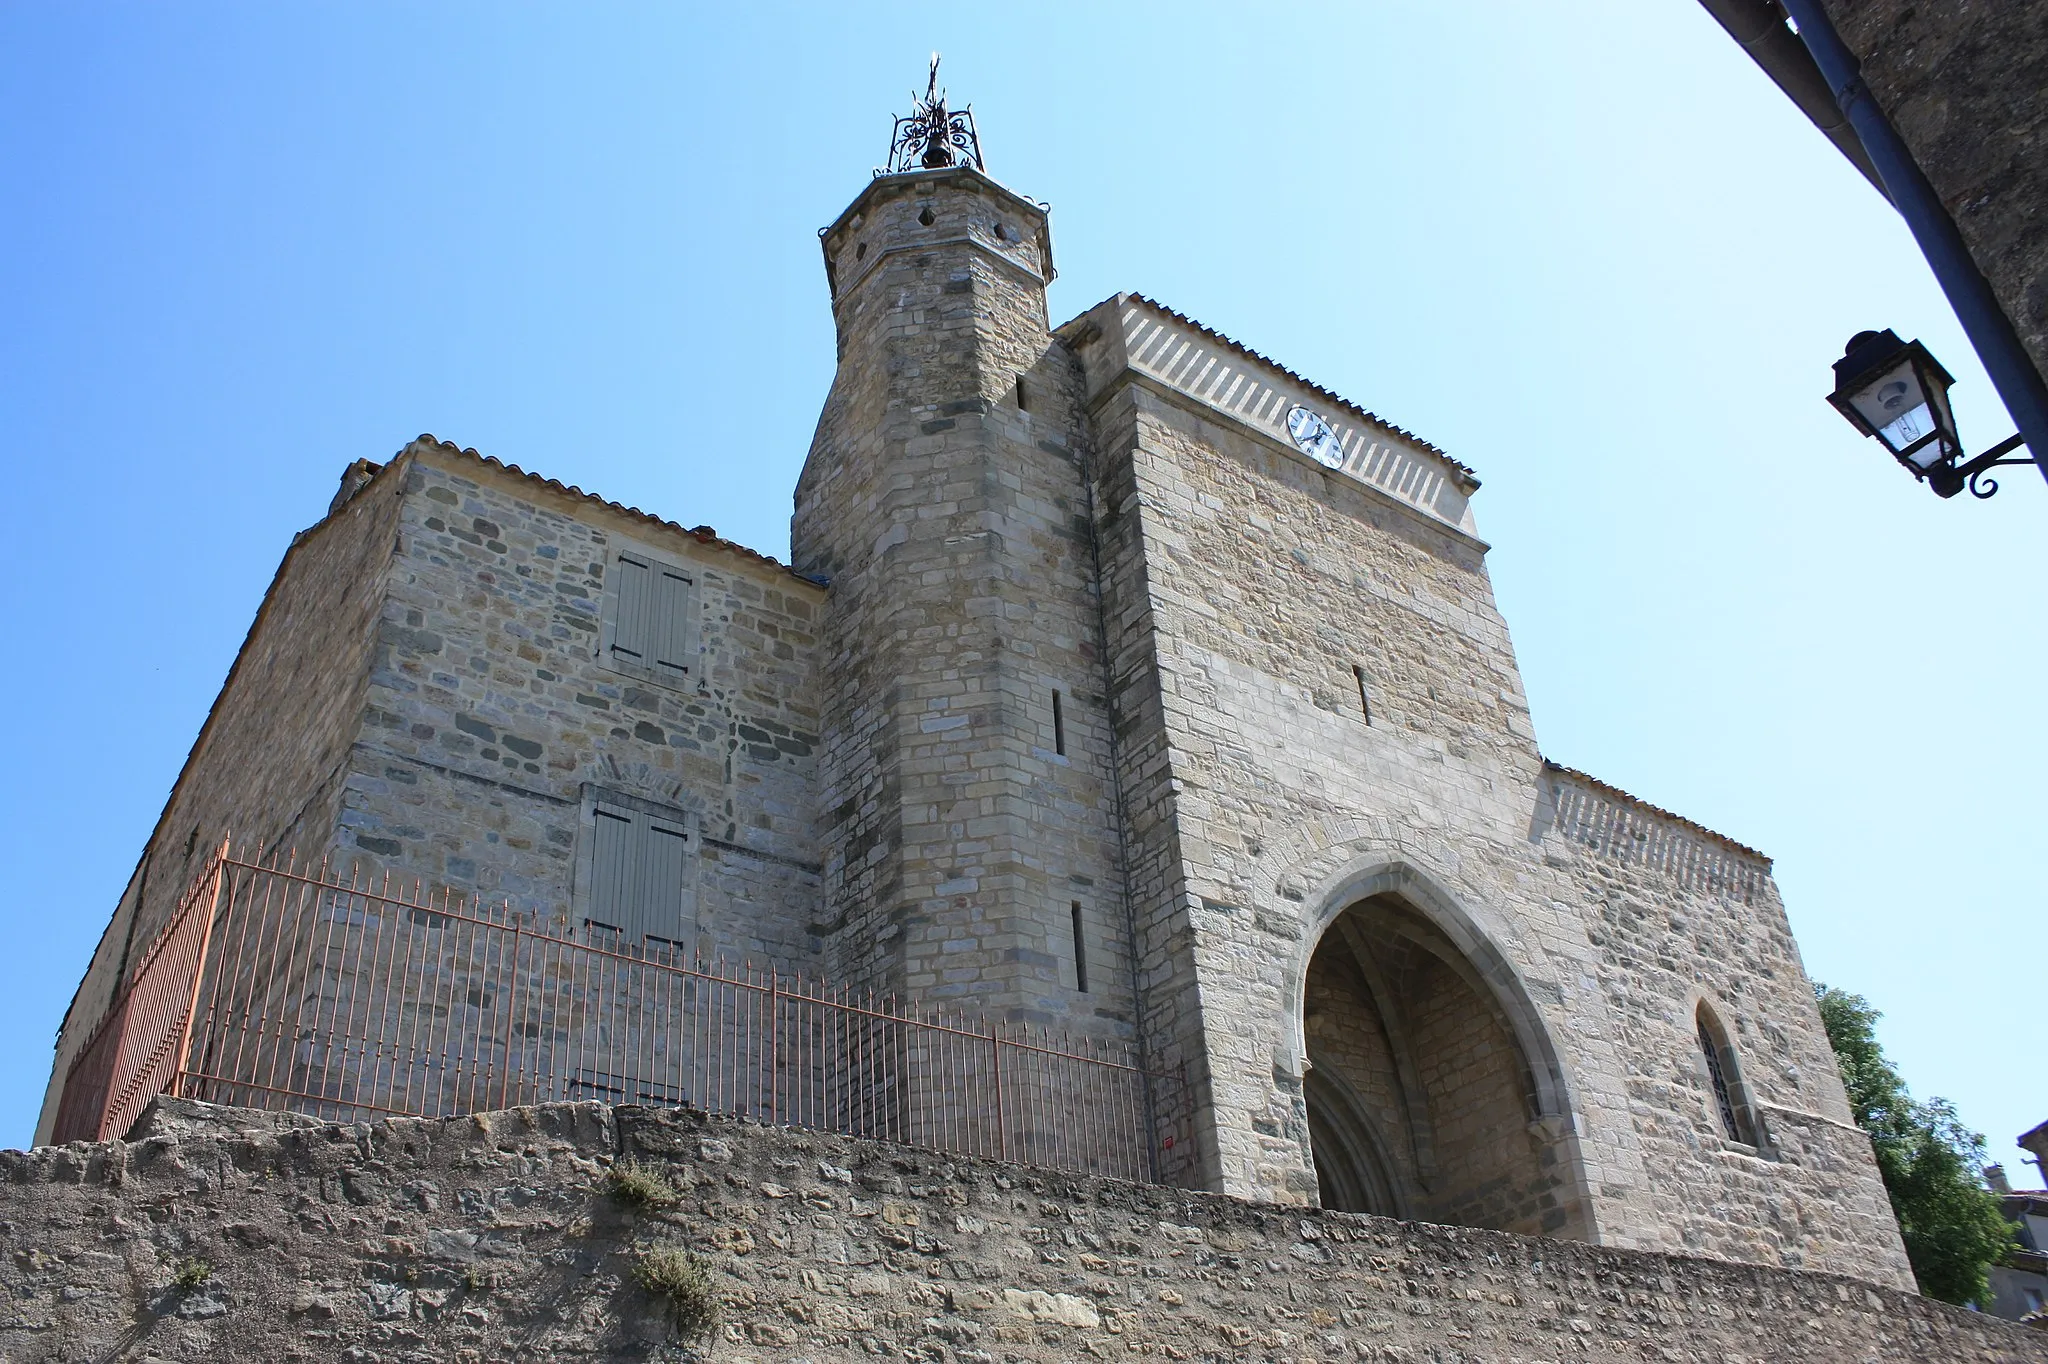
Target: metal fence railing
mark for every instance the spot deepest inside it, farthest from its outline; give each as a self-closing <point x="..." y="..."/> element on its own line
<point x="280" y="986"/>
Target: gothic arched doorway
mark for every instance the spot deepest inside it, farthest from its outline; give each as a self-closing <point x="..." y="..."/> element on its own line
<point x="1422" y="1097"/>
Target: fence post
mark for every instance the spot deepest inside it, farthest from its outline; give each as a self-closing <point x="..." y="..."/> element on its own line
<point x="995" y="1052"/>
<point x="774" y="1040"/>
<point x="220" y="874"/>
<point x="511" y="1013"/>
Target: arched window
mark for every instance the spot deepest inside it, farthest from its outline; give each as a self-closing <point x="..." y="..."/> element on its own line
<point x="1730" y="1102"/>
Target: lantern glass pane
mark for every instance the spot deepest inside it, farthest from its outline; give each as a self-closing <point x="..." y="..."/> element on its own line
<point x="1895" y="406"/>
<point x="1908" y="427"/>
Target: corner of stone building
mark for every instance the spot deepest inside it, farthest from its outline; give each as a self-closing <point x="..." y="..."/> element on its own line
<point x="266" y="767"/>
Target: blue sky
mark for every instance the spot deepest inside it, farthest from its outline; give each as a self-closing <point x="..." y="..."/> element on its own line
<point x="1600" y="259"/>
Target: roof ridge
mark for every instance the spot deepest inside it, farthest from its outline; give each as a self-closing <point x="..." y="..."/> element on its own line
<point x="704" y="535"/>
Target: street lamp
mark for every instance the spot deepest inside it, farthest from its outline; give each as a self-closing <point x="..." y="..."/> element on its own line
<point x="1898" y="392"/>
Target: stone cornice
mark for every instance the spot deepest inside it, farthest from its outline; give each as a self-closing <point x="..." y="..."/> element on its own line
<point x="1211" y="412"/>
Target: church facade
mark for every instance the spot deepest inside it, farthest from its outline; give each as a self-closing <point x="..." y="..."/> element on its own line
<point x="1121" y="679"/>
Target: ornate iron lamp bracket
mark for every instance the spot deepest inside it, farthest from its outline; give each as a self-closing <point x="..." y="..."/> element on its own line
<point x="1947" y="482"/>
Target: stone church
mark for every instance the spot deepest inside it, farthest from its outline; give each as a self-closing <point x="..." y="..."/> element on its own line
<point x="1120" y="677"/>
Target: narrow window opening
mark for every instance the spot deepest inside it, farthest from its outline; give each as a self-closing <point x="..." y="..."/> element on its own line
<point x="860" y="252"/>
<point x="1364" y="696"/>
<point x="927" y="217"/>
<point x="1718" y="1076"/>
<point x="1059" y="726"/>
<point x="1023" y="397"/>
<point x="1080" y="953"/>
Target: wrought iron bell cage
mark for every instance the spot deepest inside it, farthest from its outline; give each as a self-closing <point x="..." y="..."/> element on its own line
<point x="932" y="136"/>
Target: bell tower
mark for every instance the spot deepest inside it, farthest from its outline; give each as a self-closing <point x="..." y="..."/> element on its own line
<point x="969" y="817"/>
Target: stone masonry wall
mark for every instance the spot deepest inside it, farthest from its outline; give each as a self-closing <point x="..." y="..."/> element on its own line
<point x="1269" y="580"/>
<point x="491" y="1238"/>
<point x="1673" y="929"/>
<point x="490" y="714"/>
<point x="1174" y="1023"/>
<point x="270" y="760"/>
<point x="1966" y="84"/>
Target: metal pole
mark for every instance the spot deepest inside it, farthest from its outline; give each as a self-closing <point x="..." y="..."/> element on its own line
<point x="511" y="1008"/>
<point x="995" y="1053"/>
<point x="2011" y="368"/>
<point x="774" y="1041"/>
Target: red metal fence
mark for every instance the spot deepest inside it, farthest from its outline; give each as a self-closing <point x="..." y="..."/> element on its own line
<point x="286" y="987"/>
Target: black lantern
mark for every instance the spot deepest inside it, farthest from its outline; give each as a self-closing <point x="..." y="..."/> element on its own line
<point x="1897" y="392"/>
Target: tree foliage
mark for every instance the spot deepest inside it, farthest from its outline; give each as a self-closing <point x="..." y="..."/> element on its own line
<point x="1930" y="1162"/>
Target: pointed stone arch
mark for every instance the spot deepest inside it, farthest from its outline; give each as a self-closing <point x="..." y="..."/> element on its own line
<point x="1439" y="1019"/>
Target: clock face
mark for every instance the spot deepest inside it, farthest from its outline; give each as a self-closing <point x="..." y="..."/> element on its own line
<point x="1314" y="436"/>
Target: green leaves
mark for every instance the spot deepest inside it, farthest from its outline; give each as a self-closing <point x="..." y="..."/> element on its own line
<point x="1928" y="1160"/>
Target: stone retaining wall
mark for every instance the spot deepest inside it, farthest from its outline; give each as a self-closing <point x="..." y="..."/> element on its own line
<point x="490" y="1238"/>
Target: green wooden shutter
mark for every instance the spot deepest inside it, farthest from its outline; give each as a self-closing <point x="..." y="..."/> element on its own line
<point x="671" y="621"/>
<point x="633" y="625"/>
<point x="639" y="877"/>
<point x="612" y="872"/>
<point x="664" y="859"/>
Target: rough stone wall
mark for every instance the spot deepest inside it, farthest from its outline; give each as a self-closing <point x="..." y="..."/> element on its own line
<point x="1266" y="579"/>
<point x="945" y="496"/>
<point x="1490" y="1171"/>
<point x="1676" y="921"/>
<point x="1966" y="84"/>
<point x="269" y="762"/>
<point x="491" y="712"/>
<point x="491" y="1238"/>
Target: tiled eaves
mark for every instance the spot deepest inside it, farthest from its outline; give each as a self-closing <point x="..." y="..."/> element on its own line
<point x="1616" y="793"/>
<point x="703" y="535"/>
<point x="1470" y="478"/>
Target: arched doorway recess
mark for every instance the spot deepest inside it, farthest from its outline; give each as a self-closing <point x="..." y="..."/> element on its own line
<point x="1423" y="1098"/>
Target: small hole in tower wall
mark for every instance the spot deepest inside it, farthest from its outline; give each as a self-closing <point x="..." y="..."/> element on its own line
<point x="861" y="252"/>
<point x="927" y="217"/>
<point x="1023" y="396"/>
<point x="1364" y="696"/>
<point x="1059" y="726"/>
